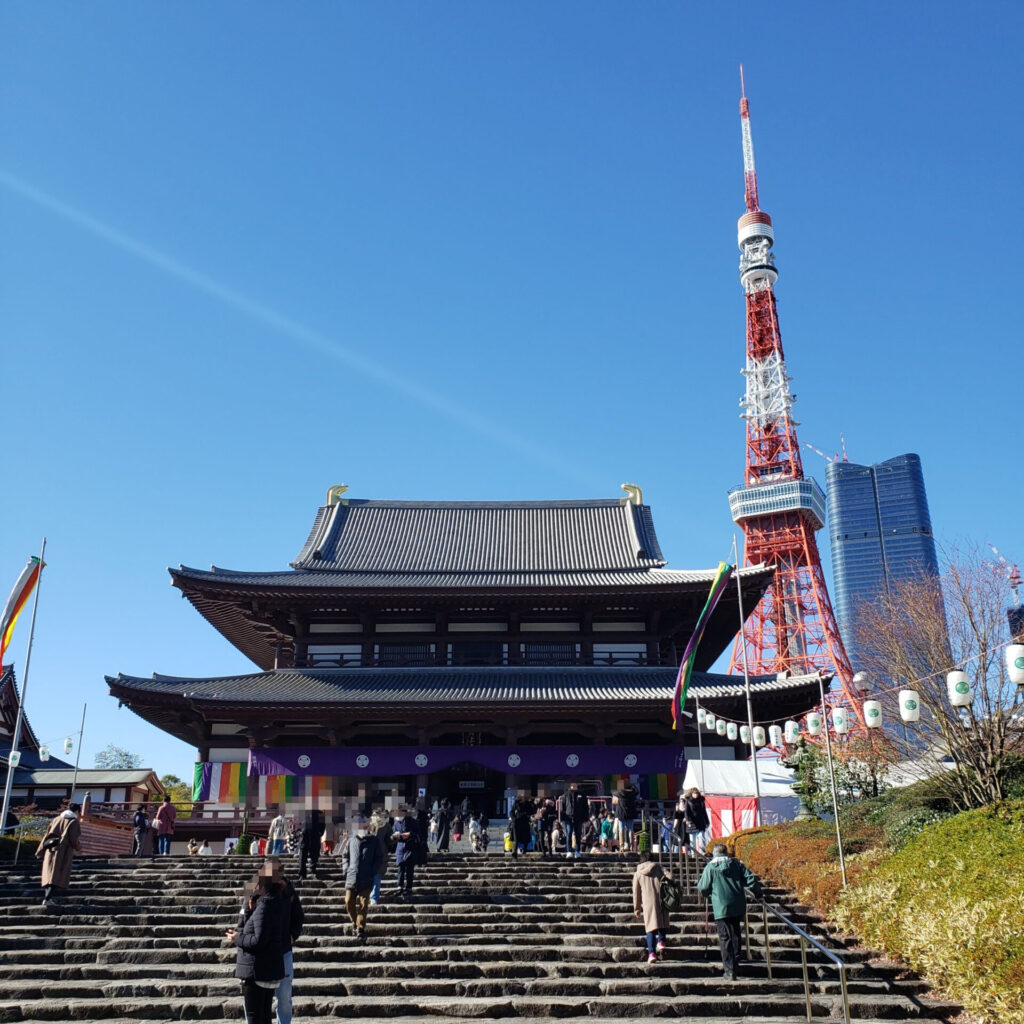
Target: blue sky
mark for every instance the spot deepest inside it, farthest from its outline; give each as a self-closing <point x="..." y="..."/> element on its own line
<point x="464" y="250"/>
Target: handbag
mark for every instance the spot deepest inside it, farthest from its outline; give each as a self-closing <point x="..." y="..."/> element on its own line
<point x="51" y="842"/>
<point x="671" y="894"/>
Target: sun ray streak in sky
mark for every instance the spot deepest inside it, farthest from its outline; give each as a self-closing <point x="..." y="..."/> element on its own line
<point x="297" y="332"/>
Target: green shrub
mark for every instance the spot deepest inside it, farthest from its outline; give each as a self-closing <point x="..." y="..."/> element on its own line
<point x="1013" y="785"/>
<point x="905" y="825"/>
<point x="950" y="904"/>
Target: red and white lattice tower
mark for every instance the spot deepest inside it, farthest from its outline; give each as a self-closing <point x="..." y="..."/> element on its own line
<point x="793" y="629"/>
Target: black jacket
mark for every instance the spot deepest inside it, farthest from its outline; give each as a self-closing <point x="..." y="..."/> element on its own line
<point x="260" y="940"/>
<point x="577" y="806"/>
<point x="695" y="814"/>
<point x="294" y="919"/>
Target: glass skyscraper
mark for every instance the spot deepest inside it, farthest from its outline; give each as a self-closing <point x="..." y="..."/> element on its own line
<point x="880" y="532"/>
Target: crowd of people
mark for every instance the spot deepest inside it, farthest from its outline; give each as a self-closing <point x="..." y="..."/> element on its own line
<point x="271" y="916"/>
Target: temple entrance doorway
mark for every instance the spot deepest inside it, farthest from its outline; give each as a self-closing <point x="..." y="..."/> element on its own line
<point x="466" y="785"/>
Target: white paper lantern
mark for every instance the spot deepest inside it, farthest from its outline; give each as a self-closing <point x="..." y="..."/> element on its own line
<point x="69" y="745"/>
<point x="720" y="727"/>
<point x="709" y="722"/>
<point x="958" y="686"/>
<point x="775" y="735"/>
<point x="840" y="721"/>
<point x="792" y="732"/>
<point x="759" y="737"/>
<point x="14" y="758"/>
<point x="44" y="753"/>
<point x="732" y="731"/>
<point x="745" y="733"/>
<point x="872" y="714"/>
<point x="861" y="684"/>
<point x="910" y="705"/>
<point x="814" y="723"/>
<point x="701" y="715"/>
<point x="1015" y="663"/>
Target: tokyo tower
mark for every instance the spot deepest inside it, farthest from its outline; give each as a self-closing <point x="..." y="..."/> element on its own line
<point x="793" y="629"/>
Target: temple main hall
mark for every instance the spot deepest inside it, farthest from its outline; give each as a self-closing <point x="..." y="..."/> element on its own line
<point x="419" y="650"/>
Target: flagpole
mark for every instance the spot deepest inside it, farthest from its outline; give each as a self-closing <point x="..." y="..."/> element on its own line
<point x="74" y="780"/>
<point x="16" y="739"/>
<point x="700" y="748"/>
<point x="746" y="684"/>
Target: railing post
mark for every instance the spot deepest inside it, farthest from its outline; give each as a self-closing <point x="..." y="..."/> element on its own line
<point x="767" y="942"/>
<point x="746" y="927"/>
<point x="846" y="994"/>
<point x="807" y="980"/>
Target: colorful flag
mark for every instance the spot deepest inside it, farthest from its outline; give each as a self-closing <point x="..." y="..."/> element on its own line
<point x="718" y="586"/>
<point x="19" y="598"/>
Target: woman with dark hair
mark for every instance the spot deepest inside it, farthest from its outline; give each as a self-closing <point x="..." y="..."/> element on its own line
<point x="260" y="941"/>
<point x="695" y="820"/>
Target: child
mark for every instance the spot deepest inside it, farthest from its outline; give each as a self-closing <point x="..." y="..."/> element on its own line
<point x="647" y="898"/>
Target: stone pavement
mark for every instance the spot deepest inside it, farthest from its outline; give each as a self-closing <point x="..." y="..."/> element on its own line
<point x="484" y="937"/>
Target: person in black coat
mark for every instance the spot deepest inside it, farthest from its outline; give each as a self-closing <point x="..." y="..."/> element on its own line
<point x="260" y="941"/>
<point x="576" y="809"/>
<point x="696" y="820"/>
<point x="407" y="836"/>
<point x="309" y="842"/>
<point x="444" y="826"/>
<point x="522" y="811"/>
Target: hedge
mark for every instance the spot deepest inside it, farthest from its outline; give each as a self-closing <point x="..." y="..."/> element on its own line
<point x="950" y="904"/>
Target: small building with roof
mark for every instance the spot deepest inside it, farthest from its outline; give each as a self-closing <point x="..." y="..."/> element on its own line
<point x="425" y="650"/>
<point x="46" y="782"/>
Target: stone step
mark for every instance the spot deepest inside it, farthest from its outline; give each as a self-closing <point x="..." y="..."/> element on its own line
<point x="482" y="937"/>
<point x="744" y="1000"/>
<point x="459" y="970"/>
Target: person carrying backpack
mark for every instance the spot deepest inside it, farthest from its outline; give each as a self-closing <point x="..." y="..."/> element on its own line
<point x="362" y="860"/>
<point x="647" y="902"/>
<point x="725" y="880"/>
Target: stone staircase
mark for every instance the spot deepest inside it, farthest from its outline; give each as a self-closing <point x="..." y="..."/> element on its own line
<point x="483" y="937"/>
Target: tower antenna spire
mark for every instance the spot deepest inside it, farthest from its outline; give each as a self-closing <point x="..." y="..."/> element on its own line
<point x="749" y="173"/>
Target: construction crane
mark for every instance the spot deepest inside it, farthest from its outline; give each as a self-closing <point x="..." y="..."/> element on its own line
<point x="1012" y="574"/>
<point x="827" y="458"/>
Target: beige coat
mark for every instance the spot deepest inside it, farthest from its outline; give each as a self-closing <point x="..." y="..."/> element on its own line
<point x="647" y="896"/>
<point x="57" y="862"/>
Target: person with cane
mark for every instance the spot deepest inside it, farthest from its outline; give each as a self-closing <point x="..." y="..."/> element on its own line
<point x="725" y="880"/>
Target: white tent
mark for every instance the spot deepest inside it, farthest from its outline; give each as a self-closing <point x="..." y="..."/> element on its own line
<point x="728" y="788"/>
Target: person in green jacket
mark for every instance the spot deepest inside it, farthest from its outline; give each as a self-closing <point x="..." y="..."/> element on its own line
<point x="724" y="881"/>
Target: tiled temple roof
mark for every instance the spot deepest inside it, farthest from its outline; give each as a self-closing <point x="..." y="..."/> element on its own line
<point x="482" y="537"/>
<point x="392" y="687"/>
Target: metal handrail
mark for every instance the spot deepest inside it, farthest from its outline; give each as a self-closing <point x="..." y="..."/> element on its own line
<point x="21" y="828"/>
<point x="804" y="937"/>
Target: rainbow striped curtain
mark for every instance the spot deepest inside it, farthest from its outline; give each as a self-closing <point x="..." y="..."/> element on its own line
<point x="661" y="787"/>
<point x="227" y="783"/>
<point x="220" y="782"/>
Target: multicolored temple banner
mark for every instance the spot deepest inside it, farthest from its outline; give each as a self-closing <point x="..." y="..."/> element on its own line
<point x="17" y="600"/>
<point x="661" y="786"/>
<point x="718" y="585"/>
<point x="381" y="762"/>
<point x="219" y="783"/>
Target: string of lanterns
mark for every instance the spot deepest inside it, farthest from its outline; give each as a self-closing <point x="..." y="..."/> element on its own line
<point x="958" y="691"/>
<point x="44" y="752"/>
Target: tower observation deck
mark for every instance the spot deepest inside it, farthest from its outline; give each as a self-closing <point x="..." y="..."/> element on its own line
<point x="793" y="629"/>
